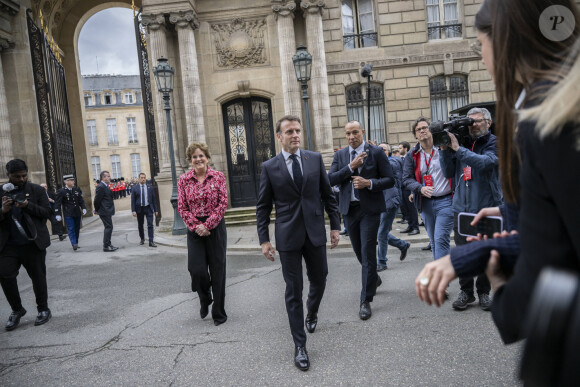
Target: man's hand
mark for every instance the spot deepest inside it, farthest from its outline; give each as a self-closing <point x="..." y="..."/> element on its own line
<point x="334" y="238"/>
<point x="493" y="271"/>
<point x="201" y="230"/>
<point x="50" y="200"/>
<point x="360" y="182"/>
<point x="488" y="211"/>
<point x="134" y="214"/>
<point x="358" y="161"/>
<point x="157" y="213"/>
<point x="427" y="191"/>
<point x="268" y="251"/>
<point x="24" y="204"/>
<point x="454" y="143"/>
<point x="437" y="275"/>
<point x="411" y="198"/>
<point x="84" y="211"/>
<point x="372" y="142"/>
<point x="6" y="204"/>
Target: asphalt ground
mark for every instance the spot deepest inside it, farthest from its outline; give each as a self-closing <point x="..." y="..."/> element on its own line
<point x="130" y="318"/>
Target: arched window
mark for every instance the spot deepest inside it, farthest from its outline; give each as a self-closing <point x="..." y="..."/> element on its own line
<point x="447" y="93"/>
<point x="357" y="109"/>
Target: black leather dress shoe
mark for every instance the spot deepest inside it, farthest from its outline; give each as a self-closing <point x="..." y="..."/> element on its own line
<point x="404" y="252"/>
<point x="75" y="247"/>
<point x="110" y="248"/>
<point x="204" y="310"/>
<point x="152" y="244"/>
<point x="379" y="281"/>
<point x="426" y="248"/>
<point x="61" y="237"/>
<point x="14" y="319"/>
<point x="408" y="229"/>
<point x="402" y="221"/>
<point x="365" y="310"/>
<point x="414" y="232"/>
<point x="142" y="242"/>
<point x="301" y="360"/>
<point x="311" y="321"/>
<point x="43" y="317"/>
<point x="343" y="232"/>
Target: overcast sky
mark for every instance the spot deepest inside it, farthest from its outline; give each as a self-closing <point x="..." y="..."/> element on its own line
<point x="107" y="43"/>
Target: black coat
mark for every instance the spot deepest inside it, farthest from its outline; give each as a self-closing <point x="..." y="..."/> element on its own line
<point x="103" y="202"/>
<point x="71" y="201"/>
<point x="39" y="211"/>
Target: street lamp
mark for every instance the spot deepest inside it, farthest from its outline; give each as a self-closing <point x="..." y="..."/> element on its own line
<point x="366" y="73"/>
<point x="164" y="79"/>
<point x="303" y="68"/>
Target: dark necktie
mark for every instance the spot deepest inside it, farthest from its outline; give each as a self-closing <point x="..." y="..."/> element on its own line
<point x="296" y="172"/>
<point x="354" y="173"/>
<point x="142" y="196"/>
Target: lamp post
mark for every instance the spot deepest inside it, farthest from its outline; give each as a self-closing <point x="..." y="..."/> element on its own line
<point x="164" y="79"/>
<point x="303" y="68"/>
<point x="366" y="73"/>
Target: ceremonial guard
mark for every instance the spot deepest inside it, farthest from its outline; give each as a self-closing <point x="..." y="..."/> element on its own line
<point x="70" y="204"/>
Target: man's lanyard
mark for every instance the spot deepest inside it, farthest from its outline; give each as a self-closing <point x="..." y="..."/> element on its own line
<point x="430" y="158"/>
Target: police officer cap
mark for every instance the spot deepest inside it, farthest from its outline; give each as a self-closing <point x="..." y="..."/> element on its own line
<point x="68" y="177"/>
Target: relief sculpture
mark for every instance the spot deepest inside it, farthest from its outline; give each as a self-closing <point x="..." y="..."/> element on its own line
<point x="240" y="43"/>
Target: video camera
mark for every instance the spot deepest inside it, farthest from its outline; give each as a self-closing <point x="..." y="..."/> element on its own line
<point x="458" y="125"/>
<point x="18" y="197"/>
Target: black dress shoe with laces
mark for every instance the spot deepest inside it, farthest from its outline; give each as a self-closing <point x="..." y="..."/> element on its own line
<point x="152" y="244"/>
<point x="142" y="242"/>
<point x="43" y="317"/>
<point x="204" y="310"/>
<point x="61" y="237"/>
<point x="414" y="231"/>
<point x="75" y="247"/>
<point x="365" y="310"/>
<point x="407" y="230"/>
<point x="110" y="248"/>
<point x="301" y="360"/>
<point x="311" y="321"/>
<point x="14" y="319"/>
<point x="426" y="248"/>
<point x="404" y="252"/>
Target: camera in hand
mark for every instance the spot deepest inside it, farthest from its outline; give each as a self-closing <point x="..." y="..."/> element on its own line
<point x="18" y="197"/>
<point x="457" y="125"/>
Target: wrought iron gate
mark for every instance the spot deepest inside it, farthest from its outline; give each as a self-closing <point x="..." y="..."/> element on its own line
<point x="52" y="102"/>
<point x="249" y="142"/>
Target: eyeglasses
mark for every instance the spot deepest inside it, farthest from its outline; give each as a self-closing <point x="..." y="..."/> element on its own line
<point x="479" y="120"/>
<point x="421" y="129"/>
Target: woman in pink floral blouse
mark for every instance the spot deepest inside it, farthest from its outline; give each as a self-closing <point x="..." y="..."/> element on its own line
<point x="202" y="203"/>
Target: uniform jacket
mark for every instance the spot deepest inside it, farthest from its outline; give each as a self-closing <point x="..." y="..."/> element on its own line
<point x="375" y="168"/>
<point x="39" y="211"/>
<point x="298" y="214"/>
<point x="103" y="202"/>
<point x="393" y="195"/>
<point x="71" y="201"/>
<point x="136" y="198"/>
<point x="484" y="188"/>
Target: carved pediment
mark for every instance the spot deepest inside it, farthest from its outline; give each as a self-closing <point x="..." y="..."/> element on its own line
<point x="240" y="43"/>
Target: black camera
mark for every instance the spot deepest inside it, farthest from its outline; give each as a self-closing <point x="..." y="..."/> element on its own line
<point x="457" y="125"/>
<point x="552" y="329"/>
<point x="18" y="197"/>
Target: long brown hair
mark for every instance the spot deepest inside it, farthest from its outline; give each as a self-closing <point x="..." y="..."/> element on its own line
<point x="522" y="55"/>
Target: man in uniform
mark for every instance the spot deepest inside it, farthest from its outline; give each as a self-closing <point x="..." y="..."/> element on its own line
<point x="70" y="199"/>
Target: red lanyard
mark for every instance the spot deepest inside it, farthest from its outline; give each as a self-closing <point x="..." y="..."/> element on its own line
<point x="473" y="146"/>
<point x="430" y="158"/>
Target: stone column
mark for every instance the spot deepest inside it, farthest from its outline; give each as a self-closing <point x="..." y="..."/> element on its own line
<point x="157" y="41"/>
<point x="284" y="15"/>
<point x="185" y="23"/>
<point x="6" y="153"/>
<point x="319" y="83"/>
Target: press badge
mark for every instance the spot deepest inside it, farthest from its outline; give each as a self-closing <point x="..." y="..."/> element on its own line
<point x="467" y="173"/>
<point x="428" y="180"/>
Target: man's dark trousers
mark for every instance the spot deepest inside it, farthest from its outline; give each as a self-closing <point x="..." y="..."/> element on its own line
<point x="362" y="230"/>
<point x="33" y="260"/>
<point x="411" y="215"/>
<point x="142" y="212"/>
<point x="108" y="223"/>
<point x="317" y="270"/>
<point x="466" y="283"/>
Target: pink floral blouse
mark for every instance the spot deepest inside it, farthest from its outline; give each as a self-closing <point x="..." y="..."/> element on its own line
<point x="195" y="199"/>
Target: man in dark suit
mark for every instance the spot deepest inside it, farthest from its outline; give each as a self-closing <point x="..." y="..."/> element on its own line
<point x="362" y="172"/>
<point x="143" y="205"/>
<point x="296" y="182"/>
<point x="105" y="208"/>
<point x="24" y="238"/>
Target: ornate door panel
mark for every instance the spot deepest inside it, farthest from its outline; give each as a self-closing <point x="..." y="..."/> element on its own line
<point x="249" y="142"/>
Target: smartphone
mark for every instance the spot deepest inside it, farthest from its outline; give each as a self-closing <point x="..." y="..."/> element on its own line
<point x="486" y="226"/>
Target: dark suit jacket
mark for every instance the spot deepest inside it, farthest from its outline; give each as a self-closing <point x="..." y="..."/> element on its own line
<point x="376" y="168"/>
<point x="38" y="209"/>
<point x="103" y="202"/>
<point x="297" y="213"/>
<point x="136" y="198"/>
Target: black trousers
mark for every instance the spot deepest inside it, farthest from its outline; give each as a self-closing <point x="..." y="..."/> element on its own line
<point x="56" y="226"/>
<point x="34" y="261"/>
<point x="143" y="212"/>
<point x="209" y="253"/>
<point x="466" y="283"/>
<point x="411" y="210"/>
<point x="108" y="223"/>
<point x="316" y="270"/>
<point x="362" y="230"/>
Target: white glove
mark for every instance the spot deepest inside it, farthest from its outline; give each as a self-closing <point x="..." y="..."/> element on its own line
<point x="84" y="211"/>
<point x="58" y="218"/>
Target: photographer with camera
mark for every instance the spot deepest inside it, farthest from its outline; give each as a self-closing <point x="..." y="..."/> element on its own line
<point x="474" y="165"/>
<point x="24" y="238"/>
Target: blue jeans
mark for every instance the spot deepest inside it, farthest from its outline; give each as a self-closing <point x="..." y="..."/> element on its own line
<point x="385" y="238"/>
<point x="437" y="214"/>
<point x="73" y="225"/>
